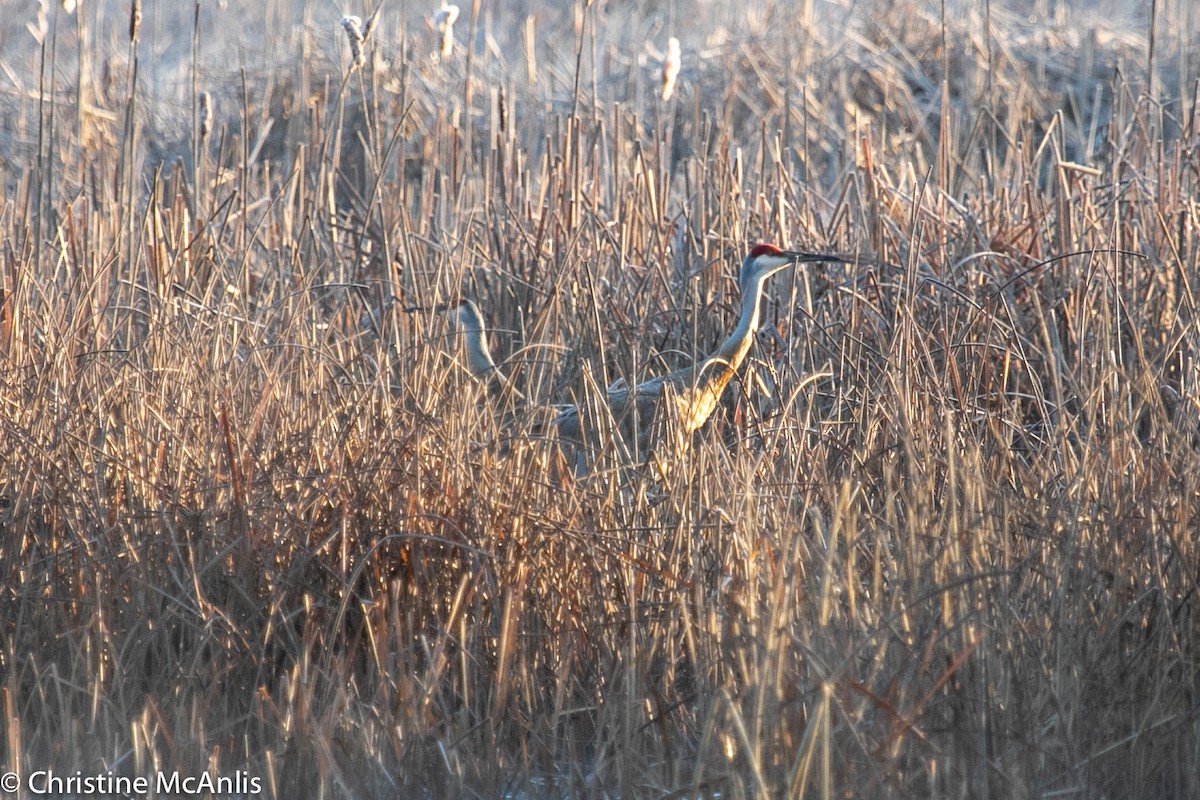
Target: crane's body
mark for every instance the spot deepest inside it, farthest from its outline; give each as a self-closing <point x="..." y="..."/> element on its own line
<point x="686" y="396"/>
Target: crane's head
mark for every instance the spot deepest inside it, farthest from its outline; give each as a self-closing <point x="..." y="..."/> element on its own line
<point x="767" y="259"/>
<point x="764" y="259"/>
<point x="465" y="314"/>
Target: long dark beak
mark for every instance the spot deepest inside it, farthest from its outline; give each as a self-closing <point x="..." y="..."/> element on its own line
<point x="438" y="308"/>
<point x="801" y="257"/>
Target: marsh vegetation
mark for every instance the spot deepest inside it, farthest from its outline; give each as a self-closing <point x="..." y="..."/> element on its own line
<point x="939" y="539"/>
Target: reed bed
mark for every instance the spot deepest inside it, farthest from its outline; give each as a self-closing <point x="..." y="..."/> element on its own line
<point x="940" y="539"/>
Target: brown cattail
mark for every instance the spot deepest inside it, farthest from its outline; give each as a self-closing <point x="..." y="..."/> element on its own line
<point x="135" y="19"/>
<point x="670" y="68"/>
<point x="206" y="115"/>
<point x="443" y="21"/>
<point x="353" y="27"/>
<point x="370" y="26"/>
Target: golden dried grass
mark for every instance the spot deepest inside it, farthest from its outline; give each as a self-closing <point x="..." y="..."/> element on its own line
<point x="942" y="541"/>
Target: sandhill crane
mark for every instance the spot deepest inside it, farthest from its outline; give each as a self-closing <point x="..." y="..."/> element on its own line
<point x="692" y="393"/>
<point x="688" y="396"/>
<point x="466" y="316"/>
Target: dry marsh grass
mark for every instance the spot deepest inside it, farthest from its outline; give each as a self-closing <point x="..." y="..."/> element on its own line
<point x="940" y="539"/>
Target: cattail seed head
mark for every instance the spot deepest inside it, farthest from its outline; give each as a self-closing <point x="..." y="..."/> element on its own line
<point x="353" y="28"/>
<point x="445" y="16"/>
<point x="670" y="68"/>
<point x="206" y="115"/>
<point x="443" y="22"/>
<point x="135" y="19"/>
<point x="370" y="26"/>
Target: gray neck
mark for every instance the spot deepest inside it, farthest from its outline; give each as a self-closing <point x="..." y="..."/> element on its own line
<point x="479" y="357"/>
<point x="734" y="349"/>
